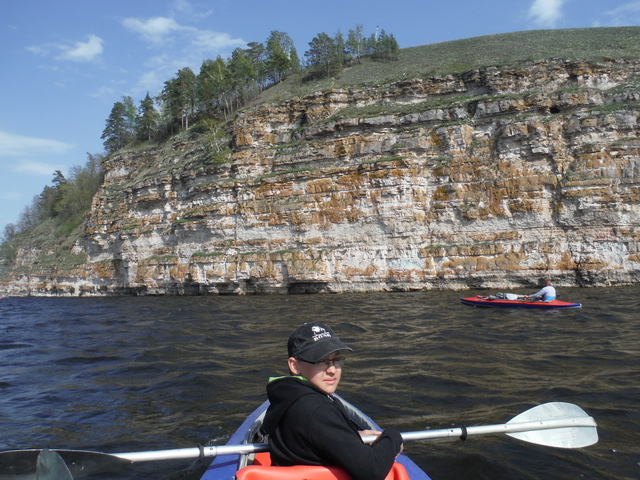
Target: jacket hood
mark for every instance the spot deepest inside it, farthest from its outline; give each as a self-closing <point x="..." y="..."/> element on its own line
<point x="282" y="393"/>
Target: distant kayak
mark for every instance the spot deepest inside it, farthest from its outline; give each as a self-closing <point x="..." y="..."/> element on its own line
<point x="517" y="302"/>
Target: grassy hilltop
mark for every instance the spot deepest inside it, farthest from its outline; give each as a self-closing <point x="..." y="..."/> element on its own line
<point x="457" y="56"/>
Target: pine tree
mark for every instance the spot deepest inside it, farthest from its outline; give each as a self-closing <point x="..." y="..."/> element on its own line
<point x="115" y="132"/>
<point x="282" y="58"/>
<point x="322" y="54"/>
<point x="243" y="75"/>
<point x="257" y="55"/>
<point x="147" y="118"/>
<point x="179" y="95"/>
<point x="386" y="47"/>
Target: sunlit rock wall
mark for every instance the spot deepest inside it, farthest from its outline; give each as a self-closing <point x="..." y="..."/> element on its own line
<point x="494" y="178"/>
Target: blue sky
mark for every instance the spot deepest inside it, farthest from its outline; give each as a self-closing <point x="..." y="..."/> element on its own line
<point x="64" y="63"/>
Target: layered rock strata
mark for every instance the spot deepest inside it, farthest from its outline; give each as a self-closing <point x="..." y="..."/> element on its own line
<point x="490" y="179"/>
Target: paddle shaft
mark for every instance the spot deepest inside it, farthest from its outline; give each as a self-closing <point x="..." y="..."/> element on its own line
<point x="214" y="451"/>
<point x="194" y="452"/>
<point x="502" y="428"/>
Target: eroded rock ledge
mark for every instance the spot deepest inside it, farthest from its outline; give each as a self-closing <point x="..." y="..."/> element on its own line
<point x="489" y="179"/>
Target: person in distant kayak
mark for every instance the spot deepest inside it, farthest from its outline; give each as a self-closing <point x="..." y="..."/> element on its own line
<point x="547" y="293"/>
<point x="308" y="425"/>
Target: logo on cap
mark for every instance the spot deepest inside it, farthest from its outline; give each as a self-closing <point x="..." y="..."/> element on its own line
<point x="319" y="332"/>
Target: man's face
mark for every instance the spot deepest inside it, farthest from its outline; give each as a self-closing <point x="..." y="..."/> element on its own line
<point x="326" y="379"/>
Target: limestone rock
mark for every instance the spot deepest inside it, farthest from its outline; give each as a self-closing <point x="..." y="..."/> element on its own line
<point x="490" y="179"/>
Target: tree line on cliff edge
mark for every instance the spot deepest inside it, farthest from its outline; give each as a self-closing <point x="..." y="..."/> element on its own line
<point x="220" y="89"/>
<point x="223" y="86"/>
<point x="65" y="202"/>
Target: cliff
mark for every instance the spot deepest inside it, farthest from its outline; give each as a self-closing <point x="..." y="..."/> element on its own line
<point x="491" y="178"/>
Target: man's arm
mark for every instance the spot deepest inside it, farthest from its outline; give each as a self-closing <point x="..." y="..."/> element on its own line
<point x="343" y="447"/>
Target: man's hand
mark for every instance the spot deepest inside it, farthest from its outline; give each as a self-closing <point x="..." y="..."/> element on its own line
<point x="377" y="433"/>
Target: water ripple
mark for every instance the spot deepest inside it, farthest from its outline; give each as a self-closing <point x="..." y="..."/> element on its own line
<point x="122" y="374"/>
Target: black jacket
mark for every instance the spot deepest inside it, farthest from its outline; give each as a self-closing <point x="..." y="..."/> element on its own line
<point x="308" y="427"/>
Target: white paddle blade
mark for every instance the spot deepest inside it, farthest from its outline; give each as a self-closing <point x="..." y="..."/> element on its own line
<point x="51" y="466"/>
<point x="576" y="429"/>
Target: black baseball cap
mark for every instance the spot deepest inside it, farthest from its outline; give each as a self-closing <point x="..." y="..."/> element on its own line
<point x="313" y="342"/>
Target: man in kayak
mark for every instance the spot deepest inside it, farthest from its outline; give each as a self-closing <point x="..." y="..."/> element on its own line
<point x="308" y="425"/>
<point x="547" y="293"/>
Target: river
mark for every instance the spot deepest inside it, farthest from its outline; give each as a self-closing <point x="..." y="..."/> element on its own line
<point x="148" y="373"/>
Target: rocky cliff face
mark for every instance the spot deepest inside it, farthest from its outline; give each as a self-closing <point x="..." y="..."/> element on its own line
<point x="490" y="179"/>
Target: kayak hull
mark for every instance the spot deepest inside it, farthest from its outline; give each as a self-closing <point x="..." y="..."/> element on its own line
<point x="224" y="467"/>
<point x="479" y="301"/>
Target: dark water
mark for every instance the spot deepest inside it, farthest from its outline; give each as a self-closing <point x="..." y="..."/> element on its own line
<point x="137" y="374"/>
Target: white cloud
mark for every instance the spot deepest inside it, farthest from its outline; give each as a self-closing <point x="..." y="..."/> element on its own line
<point x="182" y="46"/>
<point x="38" y="168"/>
<point x="161" y="30"/>
<point x="214" y="41"/>
<point x="155" y="30"/>
<point x="10" y="195"/>
<point x="184" y="8"/>
<point x="627" y="14"/>
<point x="38" y="49"/>
<point x="83" y="51"/>
<point x="103" y="92"/>
<point x="18" y="146"/>
<point x="78" y="52"/>
<point x="545" y="13"/>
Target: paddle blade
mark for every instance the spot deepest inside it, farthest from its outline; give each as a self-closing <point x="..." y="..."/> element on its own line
<point x="22" y="464"/>
<point x="578" y="428"/>
<point x="51" y="467"/>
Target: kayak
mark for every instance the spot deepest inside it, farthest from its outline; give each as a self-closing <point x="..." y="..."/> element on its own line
<point x="258" y="466"/>
<point x="491" y="301"/>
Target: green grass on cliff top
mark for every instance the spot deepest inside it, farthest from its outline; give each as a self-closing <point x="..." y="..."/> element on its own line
<point x="457" y="56"/>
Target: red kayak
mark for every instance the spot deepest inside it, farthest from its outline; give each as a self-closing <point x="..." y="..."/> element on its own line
<point x="493" y="301"/>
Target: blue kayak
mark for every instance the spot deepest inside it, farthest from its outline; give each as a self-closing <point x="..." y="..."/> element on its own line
<point x="226" y="467"/>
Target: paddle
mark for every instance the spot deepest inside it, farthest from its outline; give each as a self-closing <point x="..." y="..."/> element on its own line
<point x="555" y="424"/>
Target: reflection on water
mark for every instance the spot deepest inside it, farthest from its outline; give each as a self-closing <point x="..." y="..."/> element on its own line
<point x="129" y="374"/>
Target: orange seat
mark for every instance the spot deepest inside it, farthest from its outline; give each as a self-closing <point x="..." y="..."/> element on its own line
<point x="262" y="470"/>
<point x="263" y="458"/>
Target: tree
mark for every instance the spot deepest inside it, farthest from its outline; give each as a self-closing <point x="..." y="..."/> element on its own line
<point x="130" y="118"/>
<point x="179" y="95"/>
<point x="115" y="132"/>
<point x="321" y="54"/>
<point x="9" y="232"/>
<point x="30" y="216"/>
<point x="50" y="196"/>
<point x="68" y="198"/>
<point x="282" y="58"/>
<point x="243" y="75"/>
<point x="76" y="193"/>
<point x="340" y="50"/>
<point x="386" y="47"/>
<point x="147" y="118"/>
<point x="257" y="55"/>
<point x="213" y="86"/>
<point x="356" y="43"/>
<point x="372" y="43"/>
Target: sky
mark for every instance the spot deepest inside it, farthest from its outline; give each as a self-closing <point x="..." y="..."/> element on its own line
<point x="64" y="63"/>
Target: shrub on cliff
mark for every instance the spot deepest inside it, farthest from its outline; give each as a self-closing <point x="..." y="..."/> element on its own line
<point x="65" y="202"/>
